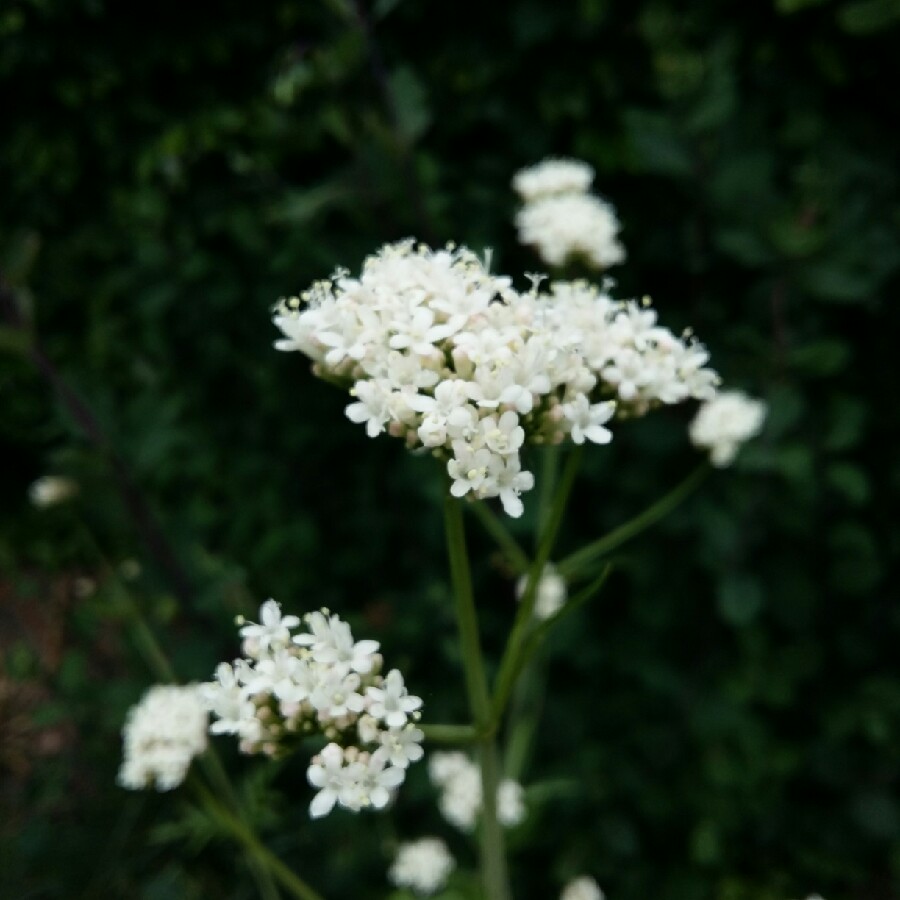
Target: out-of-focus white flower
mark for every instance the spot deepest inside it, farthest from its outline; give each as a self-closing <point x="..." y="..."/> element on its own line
<point x="551" y="592"/>
<point x="422" y="865"/>
<point x="553" y="176"/>
<point x="510" y="802"/>
<point x="582" y="888"/>
<point x="51" y="489"/>
<point x="572" y="226"/>
<point x="725" y="422"/>
<point x="460" y="781"/>
<point x="161" y="736"/>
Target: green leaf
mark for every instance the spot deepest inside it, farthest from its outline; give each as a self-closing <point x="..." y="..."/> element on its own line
<point x="851" y="481"/>
<point x="655" y="146"/>
<point x="740" y="599"/>
<point x="868" y="16"/>
<point x="826" y="357"/>
<point x="410" y="103"/>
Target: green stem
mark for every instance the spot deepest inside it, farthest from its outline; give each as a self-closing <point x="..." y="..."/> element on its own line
<point x="512" y="655"/>
<point x="492" y="853"/>
<point x="158" y="662"/>
<point x="574" y="564"/>
<point x="450" y="734"/>
<point x="268" y="860"/>
<point x="518" y="558"/>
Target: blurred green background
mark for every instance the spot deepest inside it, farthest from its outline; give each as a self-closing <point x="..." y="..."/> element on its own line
<point x="724" y="721"/>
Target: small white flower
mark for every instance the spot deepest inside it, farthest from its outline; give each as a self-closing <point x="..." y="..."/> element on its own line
<point x="50" y="490"/>
<point x="724" y="423"/>
<point x="510" y="803"/>
<point x="390" y="703"/>
<point x="582" y="888"/>
<point x="273" y="629"/>
<point x="328" y="773"/>
<point x="550" y="592"/>
<point x="403" y="745"/>
<point x="422" y="865"/>
<point x="586" y="421"/>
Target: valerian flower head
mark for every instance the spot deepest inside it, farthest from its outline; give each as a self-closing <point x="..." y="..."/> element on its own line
<point x="436" y="350"/>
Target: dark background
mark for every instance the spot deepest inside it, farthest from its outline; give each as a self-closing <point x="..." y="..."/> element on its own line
<point x="724" y="721"/>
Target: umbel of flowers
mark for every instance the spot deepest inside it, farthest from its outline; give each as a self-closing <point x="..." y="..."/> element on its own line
<point x="439" y="352"/>
<point x="561" y="220"/>
<point x="291" y="684"/>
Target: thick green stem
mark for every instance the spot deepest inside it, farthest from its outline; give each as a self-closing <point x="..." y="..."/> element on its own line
<point x="255" y="848"/>
<point x="574" y="564"/>
<point x="492" y="854"/>
<point x="512" y="655"/>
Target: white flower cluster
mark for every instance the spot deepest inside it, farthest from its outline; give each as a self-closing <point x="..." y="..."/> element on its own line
<point x="552" y="177"/>
<point x="319" y="681"/>
<point x="550" y="593"/>
<point x="422" y="865"/>
<point x="561" y="220"/>
<point x="453" y="360"/>
<point x="162" y="734"/>
<point x="582" y="888"/>
<point x="724" y="423"/>
<point x="460" y="782"/>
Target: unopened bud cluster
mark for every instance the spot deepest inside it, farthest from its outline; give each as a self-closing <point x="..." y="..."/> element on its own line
<point x="292" y="684"/>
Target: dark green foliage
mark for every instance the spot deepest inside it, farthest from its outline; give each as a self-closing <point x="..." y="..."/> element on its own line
<point x="723" y="722"/>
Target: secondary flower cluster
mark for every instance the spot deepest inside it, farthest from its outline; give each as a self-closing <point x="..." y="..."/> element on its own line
<point x="561" y="220"/>
<point x="460" y="782"/>
<point x="162" y="734"/>
<point x="422" y="865"/>
<point x="452" y="359"/>
<point x="724" y="423"/>
<point x="319" y="681"/>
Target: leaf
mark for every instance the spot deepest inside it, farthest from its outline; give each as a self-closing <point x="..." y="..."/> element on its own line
<point x="821" y="358"/>
<point x="410" y="103"/>
<point x="851" y="481"/>
<point x="868" y="16"/>
<point x="740" y="599"/>
<point x="655" y="145"/>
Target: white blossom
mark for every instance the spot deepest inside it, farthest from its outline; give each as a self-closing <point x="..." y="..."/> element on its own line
<point x="161" y="736"/>
<point x="422" y="865"/>
<point x="391" y="703"/>
<point x="550" y="593"/>
<point x="553" y="176"/>
<point x="273" y="630"/>
<point x="439" y="352"/>
<point x="48" y="490"/>
<point x="724" y="423"/>
<point x="459" y="779"/>
<point x="566" y="226"/>
<point x="582" y="888"/>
